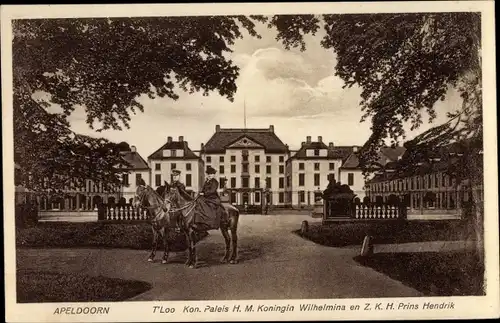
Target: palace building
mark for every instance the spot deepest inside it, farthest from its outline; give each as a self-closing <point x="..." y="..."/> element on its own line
<point x="308" y="170"/>
<point x="176" y="155"/>
<point x="251" y="162"/>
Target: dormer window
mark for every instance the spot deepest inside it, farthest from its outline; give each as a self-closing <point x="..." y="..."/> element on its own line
<point x="316" y="152"/>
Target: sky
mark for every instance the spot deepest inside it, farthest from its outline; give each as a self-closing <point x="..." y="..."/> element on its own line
<point x="295" y="91"/>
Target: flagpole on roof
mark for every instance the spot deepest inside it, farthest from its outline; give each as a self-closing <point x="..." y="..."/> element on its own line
<point x="244" y="114"/>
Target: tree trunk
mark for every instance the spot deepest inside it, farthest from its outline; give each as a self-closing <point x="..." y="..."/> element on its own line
<point x="477" y="204"/>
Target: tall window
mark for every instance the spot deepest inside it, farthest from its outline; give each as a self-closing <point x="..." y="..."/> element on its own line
<point x="316" y="152"/>
<point x="158" y="179"/>
<point x="316" y="166"/>
<point x="282" y="159"/>
<point x="257" y="197"/>
<point x="221" y="169"/>
<point x="281" y="182"/>
<point x="188" y="166"/>
<point x="221" y="182"/>
<point x="257" y="169"/>
<point x="173" y="166"/>
<point x="245" y="168"/>
<point x="244" y="182"/>
<point x="257" y="182"/>
<point x="157" y="166"/>
<point x="301" y="166"/>
<point x="302" y="179"/>
<point x="268" y="159"/>
<point x="173" y="153"/>
<point x="137" y="178"/>
<point x="233" y="159"/>
<point x="332" y="166"/>
<point x="257" y="158"/>
<point x="436" y="180"/>
<point x="221" y="159"/>
<point x="281" y="197"/>
<point x="233" y="168"/>
<point x="188" y="180"/>
<point x="316" y="180"/>
<point x="268" y="182"/>
<point x="125" y="180"/>
<point x="282" y="169"/>
<point x="268" y="169"/>
<point x="350" y="179"/>
<point x="209" y="159"/>
<point x="233" y="182"/>
<point x="302" y="197"/>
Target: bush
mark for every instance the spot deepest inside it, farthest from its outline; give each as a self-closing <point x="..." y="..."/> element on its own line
<point x="35" y="287"/>
<point x="96" y="234"/>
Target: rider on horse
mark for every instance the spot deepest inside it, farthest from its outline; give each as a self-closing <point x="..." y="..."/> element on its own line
<point x="181" y="188"/>
<point x="210" y="201"/>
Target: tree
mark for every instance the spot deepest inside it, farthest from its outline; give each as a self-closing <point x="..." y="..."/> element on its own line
<point x="103" y="66"/>
<point x="404" y="64"/>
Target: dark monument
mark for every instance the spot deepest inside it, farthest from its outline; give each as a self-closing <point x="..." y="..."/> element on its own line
<point x="338" y="199"/>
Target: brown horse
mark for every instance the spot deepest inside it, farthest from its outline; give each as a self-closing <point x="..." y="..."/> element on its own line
<point x="161" y="220"/>
<point x="188" y="211"/>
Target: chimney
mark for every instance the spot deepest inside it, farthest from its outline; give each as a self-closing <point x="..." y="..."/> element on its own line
<point x="303" y="143"/>
<point x="355" y="149"/>
<point x="217" y="128"/>
<point x="181" y="138"/>
<point x="169" y="139"/>
<point x="320" y="139"/>
<point x="202" y="147"/>
<point x="308" y="139"/>
<point x="133" y="149"/>
<point x="330" y="145"/>
<point x="271" y="128"/>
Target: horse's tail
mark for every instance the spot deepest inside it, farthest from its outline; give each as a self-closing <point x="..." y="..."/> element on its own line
<point x="233" y="214"/>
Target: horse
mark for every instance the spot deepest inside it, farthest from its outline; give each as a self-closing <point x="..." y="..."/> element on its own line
<point x="188" y="208"/>
<point x="161" y="219"/>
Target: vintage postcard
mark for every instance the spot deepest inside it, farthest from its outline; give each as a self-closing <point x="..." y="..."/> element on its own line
<point x="250" y="162"/>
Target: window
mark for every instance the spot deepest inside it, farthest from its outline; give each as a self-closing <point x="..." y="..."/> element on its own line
<point x="302" y="179"/>
<point x="158" y="180"/>
<point x="209" y="159"/>
<point x="221" y="159"/>
<point x="173" y="153"/>
<point x="233" y="159"/>
<point x="281" y="183"/>
<point x="316" y="152"/>
<point x="316" y="180"/>
<point x="281" y="197"/>
<point x="244" y="182"/>
<point x="332" y="166"/>
<point x="257" y="182"/>
<point x="257" y="159"/>
<point x="188" y="166"/>
<point x="350" y="179"/>
<point x="257" y="197"/>
<point x="173" y="166"/>
<point x="268" y="169"/>
<point x="282" y="169"/>
<point x="233" y="168"/>
<point x="221" y="182"/>
<point x="188" y="180"/>
<point x="245" y="168"/>
<point x="302" y="197"/>
<point x="125" y="180"/>
<point x="316" y="166"/>
<point x="137" y="178"/>
<point x="233" y="182"/>
<point x="436" y="180"/>
<point x="268" y="182"/>
<point x="428" y="181"/>
<point x="301" y="166"/>
<point x="244" y="157"/>
<point x="268" y="159"/>
<point x="257" y="169"/>
<point x="157" y="166"/>
<point x="221" y="169"/>
<point x="282" y="159"/>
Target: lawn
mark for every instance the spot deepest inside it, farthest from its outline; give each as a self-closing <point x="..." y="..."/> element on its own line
<point x="94" y="235"/>
<point x="346" y="234"/>
<point x="432" y="273"/>
<point x="34" y="287"/>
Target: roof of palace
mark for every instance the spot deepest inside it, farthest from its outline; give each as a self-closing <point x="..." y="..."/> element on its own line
<point x="174" y="145"/>
<point x="385" y="155"/>
<point x="135" y="160"/>
<point x="335" y="152"/>
<point x="225" y="138"/>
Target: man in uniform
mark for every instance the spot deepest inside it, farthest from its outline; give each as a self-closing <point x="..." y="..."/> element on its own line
<point x="210" y="202"/>
<point x="181" y="188"/>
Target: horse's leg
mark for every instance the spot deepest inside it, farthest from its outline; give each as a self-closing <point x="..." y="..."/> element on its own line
<point x="233" y="226"/>
<point x="164" y="232"/>
<point x="190" y="252"/>
<point x="227" y="240"/>
<point x="192" y="249"/>
<point x="154" y="245"/>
